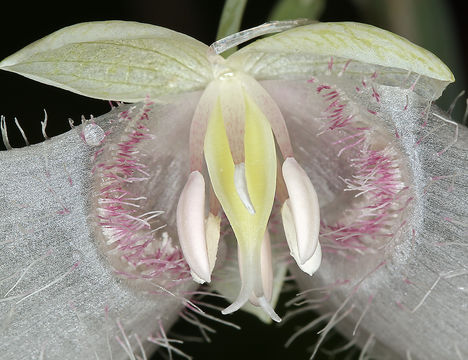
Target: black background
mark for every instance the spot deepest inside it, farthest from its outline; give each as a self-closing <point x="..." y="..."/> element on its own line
<point x="25" y="99"/>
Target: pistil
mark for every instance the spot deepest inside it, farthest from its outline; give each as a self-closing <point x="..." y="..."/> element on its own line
<point x="240" y="182"/>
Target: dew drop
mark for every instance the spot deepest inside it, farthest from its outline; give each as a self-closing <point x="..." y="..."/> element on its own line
<point x="93" y="134"/>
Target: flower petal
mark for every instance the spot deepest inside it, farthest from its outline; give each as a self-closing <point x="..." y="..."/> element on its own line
<point x="305" y="210"/>
<point x="115" y="60"/>
<point x="139" y="174"/>
<point x="66" y="265"/>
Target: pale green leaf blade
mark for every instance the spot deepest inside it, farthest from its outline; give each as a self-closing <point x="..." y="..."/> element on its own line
<point x="296" y="9"/>
<point x="230" y="21"/>
<point x="320" y="46"/>
<point x="115" y="60"/>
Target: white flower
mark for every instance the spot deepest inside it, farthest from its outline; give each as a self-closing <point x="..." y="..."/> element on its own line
<point x="237" y="125"/>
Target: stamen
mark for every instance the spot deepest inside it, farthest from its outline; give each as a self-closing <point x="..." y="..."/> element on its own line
<point x="199" y="125"/>
<point x="240" y="183"/>
<point x="191" y="227"/>
<point x="212" y="231"/>
<point x="271" y="111"/>
<point x="266" y="270"/>
<point x="22" y="132"/>
<point x="281" y="190"/>
<point x="304" y="208"/>
<point x="215" y="206"/>
<point x="266" y="266"/>
<point x="233" y="111"/>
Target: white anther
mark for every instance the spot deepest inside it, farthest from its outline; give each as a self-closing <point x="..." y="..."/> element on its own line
<point x="311" y="265"/>
<point x="191" y="227"/>
<point x="304" y="211"/>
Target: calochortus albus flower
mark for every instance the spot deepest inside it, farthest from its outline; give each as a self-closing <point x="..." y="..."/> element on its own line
<point x="238" y="112"/>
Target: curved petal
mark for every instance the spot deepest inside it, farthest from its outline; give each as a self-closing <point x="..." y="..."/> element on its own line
<point x="138" y="177"/>
<point x="423" y="280"/>
<point x="115" y="60"/>
<point x="382" y="188"/>
<point x="350" y="157"/>
<point x="65" y="288"/>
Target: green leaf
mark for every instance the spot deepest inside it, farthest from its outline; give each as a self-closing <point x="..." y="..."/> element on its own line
<point x="312" y="49"/>
<point x="230" y="21"/>
<point x="115" y="60"/>
<point x="296" y="9"/>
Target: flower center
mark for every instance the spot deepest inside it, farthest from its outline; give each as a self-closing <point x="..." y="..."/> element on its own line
<point x="234" y="130"/>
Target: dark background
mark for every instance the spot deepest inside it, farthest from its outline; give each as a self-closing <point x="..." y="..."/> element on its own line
<point x="25" y="99"/>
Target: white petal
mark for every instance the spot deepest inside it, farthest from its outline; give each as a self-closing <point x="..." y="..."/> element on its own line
<point x="304" y="209"/>
<point x="191" y="227"/>
<point x="240" y="301"/>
